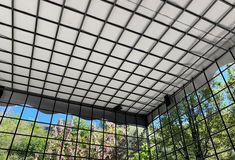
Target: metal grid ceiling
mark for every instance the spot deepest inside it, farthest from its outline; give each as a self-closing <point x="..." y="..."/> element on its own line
<point x="110" y="52"/>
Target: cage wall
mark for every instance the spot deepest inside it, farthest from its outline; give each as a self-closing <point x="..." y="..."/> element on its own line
<point x="200" y="122"/>
<point x="43" y="131"/>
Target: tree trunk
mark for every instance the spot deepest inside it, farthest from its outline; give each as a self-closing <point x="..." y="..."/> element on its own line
<point x="195" y="135"/>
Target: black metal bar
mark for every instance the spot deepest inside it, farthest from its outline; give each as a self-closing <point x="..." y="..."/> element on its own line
<point x="192" y="120"/>
<point x="4" y="112"/>
<point x="126" y="135"/>
<point x="229" y="50"/>
<point x="53" y="47"/>
<point x="50" y="125"/>
<point x="180" y="40"/>
<point x="12" y="41"/>
<point x="199" y="16"/>
<point x="148" y="143"/>
<point x="34" y="124"/>
<point x="168" y="44"/>
<point x="165" y="54"/>
<point x="181" y="129"/>
<point x="74" y="45"/>
<point x="92" y="62"/>
<point x="103" y="136"/>
<point x="231" y="94"/>
<point x="93" y="47"/>
<point x="71" y="78"/>
<point x="145" y="29"/>
<point x="114" y="47"/>
<point x="127" y="23"/>
<point x="64" y="132"/>
<point x="154" y="135"/>
<point x="171" y="133"/>
<point x="67" y="93"/>
<point x="137" y="13"/>
<point x="138" y="141"/>
<point x="204" y="118"/>
<point x="79" y="113"/>
<point x="162" y="23"/>
<point x="18" y="123"/>
<point x="206" y="51"/>
<point x="163" y="138"/>
<point x="217" y="107"/>
<point x="73" y="102"/>
<point x="115" y="114"/>
<point x="62" y="53"/>
<point x="33" y="45"/>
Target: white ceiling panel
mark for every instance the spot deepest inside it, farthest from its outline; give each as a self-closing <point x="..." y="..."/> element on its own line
<point x="104" y="46"/>
<point x="142" y="23"/>
<point x="78" y="5"/>
<point x="145" y="44"/>
<point x="89" y="23"/>
<point x="129" y="38"/>
<point x="120" y="51"/>
<point x="60" y="59"/>
<point x="128" y="66"/>
<point x="46" y="28"/>
<point x="5" y="15"/>
<point x="6" y="31"/>
<point x="99" y="9"/>
<point x="199" y="6"/>
<point x="111" y="29"/>
<point x="148" y="7"/>
<point x="23" y="36"/>
<point x="113" y="61"/>
<point x="41" y="54"/>
<point x="66" y="34"/>
<point x="49" y="11"/>
<point x="71" y="18"/>
<point x="24" y="21"/>
<point x="5" y="57"/>
<point x="6" y="44"/>
<point x="218" y="9"/>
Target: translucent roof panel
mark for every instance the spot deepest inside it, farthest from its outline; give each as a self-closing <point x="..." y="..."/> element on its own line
<point x="108" y="53"/>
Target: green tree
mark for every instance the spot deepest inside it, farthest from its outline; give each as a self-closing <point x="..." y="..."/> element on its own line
<point x="187" y="136"/>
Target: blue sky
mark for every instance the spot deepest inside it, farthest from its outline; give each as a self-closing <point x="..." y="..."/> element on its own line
<point x="29" y="113"/>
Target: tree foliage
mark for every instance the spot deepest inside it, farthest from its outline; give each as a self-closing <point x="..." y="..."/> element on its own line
<point x="63" y="137"/>
<point x="200" y="126"/>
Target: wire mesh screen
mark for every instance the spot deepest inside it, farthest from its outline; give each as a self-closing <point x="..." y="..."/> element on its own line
<point x="201" y="124"/>
<point x="105" y="54"/>
<point x="37" y="132"/>
<point x="110" y="52"/>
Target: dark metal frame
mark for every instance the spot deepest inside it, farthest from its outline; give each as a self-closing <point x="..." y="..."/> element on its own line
<point x="7" y="103"/>
<point x="146" y="106"/>
<point x="198" y="105"/>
